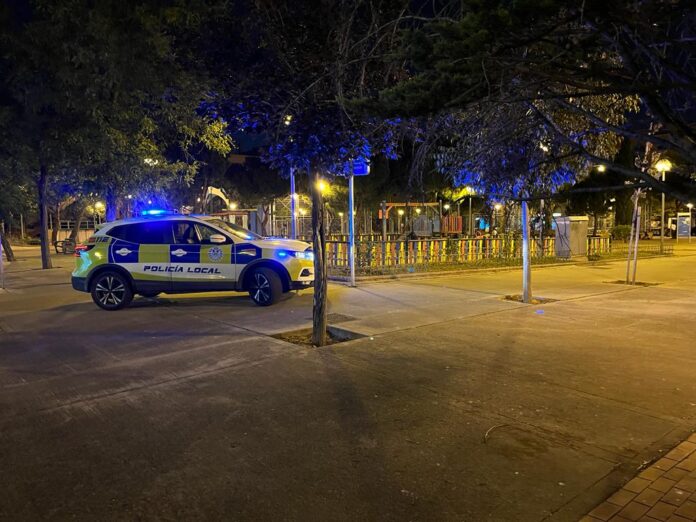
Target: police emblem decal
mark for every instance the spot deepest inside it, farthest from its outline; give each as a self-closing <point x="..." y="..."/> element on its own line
<point x="215" y="254"/>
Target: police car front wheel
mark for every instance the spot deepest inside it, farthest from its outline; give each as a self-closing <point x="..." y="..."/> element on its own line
<point x="265" y="286"/>
<point x="111" y="291"/>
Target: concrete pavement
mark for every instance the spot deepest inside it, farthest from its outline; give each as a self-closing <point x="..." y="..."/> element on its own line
<point x="183" y="407"/>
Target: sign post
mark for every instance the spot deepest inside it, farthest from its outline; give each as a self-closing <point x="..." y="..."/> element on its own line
<point x="357" y="168"/>
<point x="683" y="224"/>
<point x="2" y="266"/>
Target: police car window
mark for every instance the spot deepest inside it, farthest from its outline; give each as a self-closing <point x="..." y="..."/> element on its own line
<point x="185" y="233"/>
<point x="151" y="233"/>
<point x="204" y="232"/>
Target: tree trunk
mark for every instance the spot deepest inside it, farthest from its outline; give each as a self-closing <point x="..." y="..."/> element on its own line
<point x="43" y="218"/>
<point x="78" y="223"/>
<point x="7" y="248"/>
<point x="595" y="217"/>
<point x="56" y="223"/>
<point x="320" y="277"/>
<point x="110" y="206"/>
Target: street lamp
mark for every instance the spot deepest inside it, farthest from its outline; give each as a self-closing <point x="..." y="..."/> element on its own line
<point x="601" y="168"/>
<point x="662" y="166"/>
<point x="233" y="206"/>
<point x="446" y="206"/>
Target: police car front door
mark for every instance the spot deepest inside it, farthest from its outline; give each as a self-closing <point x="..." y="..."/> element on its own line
<point x="196" y="263"/>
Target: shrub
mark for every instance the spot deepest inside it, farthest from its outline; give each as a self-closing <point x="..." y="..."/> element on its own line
<point x="621" y="232"/>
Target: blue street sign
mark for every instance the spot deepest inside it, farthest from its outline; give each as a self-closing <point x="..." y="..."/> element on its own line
<point x="361" y="167"/>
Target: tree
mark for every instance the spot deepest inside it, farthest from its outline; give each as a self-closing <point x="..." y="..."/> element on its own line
<point x="581" y="67"/>
<point x="115" y="92"/>
<point x="287" y="75"/>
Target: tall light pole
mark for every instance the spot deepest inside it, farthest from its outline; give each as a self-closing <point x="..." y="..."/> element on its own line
<point x="662" y="166"/>
<point x="293" y="204"/>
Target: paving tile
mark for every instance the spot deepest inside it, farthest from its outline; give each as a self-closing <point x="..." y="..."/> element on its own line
<point x="687" y="510"/>
<point x="661" y="511"/>
<point x="688" y="483"/>
<point x="637" y="485"/>
<point x="649" y="497"/>
<point x="688" y="463"/>
<point x="651" y="473"/>
<point x="677" y="518"/>
<point x="621" y="497"/>
<point x="663" y="484"/>
<point x="692" y="438"/>
<point x="684" y="449"/>
<point x="588" y="518"/>
<point x="676" y="496"/>
<point x="605" y="511"/>
<point x="665" y="464"/>
<point x="675" y="474"/>
<point x="633" y="511"/>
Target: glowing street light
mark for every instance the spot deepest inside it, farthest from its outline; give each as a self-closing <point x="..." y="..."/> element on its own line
<point x="446" y="206"/>
<point x="99" y="205"/>
<point x="601" y="168"/>
<point x="322" y="186"/>
<point x="233" y="206"/>
<point x="401" y="211"/>
<point x="150" y="162"/>
<point x="288" y="119"/>
<point x="664" y="165"/>
<point x="497" y="206"/>
<point x="418" y="211"/>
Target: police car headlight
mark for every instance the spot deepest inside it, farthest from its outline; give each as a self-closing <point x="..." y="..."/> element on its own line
<point x="308" y="255"/>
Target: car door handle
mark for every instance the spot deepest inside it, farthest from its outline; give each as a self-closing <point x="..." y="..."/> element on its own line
<point x="179" y="252"/>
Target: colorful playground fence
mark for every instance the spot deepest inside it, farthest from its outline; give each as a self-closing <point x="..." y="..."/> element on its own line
<point x="394" y="253"/>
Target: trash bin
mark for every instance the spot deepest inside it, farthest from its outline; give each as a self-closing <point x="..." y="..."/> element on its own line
<point x="571" y="236"/>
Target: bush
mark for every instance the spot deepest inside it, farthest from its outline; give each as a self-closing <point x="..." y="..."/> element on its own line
<point x="621" y="232"/>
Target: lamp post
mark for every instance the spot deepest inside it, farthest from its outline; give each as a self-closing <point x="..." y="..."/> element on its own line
<point x="662" y="166"/>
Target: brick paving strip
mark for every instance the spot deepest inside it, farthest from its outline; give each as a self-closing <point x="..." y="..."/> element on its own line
<point x="665" y="491"/>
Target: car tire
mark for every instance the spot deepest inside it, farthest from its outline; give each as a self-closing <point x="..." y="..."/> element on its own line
<point x="150" y="294"/>
<point x="111" y="290"/>
<point x="265" y="287"/>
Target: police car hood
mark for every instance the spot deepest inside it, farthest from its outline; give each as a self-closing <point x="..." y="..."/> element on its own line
<point x="286" y="244"/>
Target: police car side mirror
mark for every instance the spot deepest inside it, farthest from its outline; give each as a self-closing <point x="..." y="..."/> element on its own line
<point x="217" y="239"/>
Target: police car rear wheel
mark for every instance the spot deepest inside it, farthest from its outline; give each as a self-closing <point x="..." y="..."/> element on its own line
<point x="111" y="291"/>
<point x="265" y="286"/>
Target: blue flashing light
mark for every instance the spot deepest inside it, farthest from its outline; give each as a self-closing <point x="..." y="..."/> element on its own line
<point x="282" y="253"/>
<point x="156" y="212"/>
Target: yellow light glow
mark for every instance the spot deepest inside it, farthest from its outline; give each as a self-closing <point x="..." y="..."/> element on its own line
<point x="664" y="165"/>
<point x="303" y="211"/>
<point x="401" y="211"/>
<point x="498" y="206"/>
<point x="340" y="214"/>
<point x="418" y="211"/>
<point x="99" y="205"/>
<point x="446" y="206"/>
<point x="233" y="206"/>
<point x="322" y="186"/>
<point x="601" y="168"/>
<point x="288" y="119"/>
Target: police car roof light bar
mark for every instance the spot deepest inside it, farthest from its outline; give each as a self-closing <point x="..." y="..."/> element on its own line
<point x="157" y="212"/>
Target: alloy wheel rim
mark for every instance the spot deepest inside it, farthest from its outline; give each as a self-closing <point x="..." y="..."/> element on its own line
<point x="110" y="291"/>
<point x="261" y="289"/>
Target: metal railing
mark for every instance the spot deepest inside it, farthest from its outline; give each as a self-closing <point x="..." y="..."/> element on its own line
<point x="423" y="253"/>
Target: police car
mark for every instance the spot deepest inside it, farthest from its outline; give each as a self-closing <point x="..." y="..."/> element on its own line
<point x="172" y="253"/>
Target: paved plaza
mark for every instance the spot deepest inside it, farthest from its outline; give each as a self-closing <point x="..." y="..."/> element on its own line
<point x="454" y="405"/>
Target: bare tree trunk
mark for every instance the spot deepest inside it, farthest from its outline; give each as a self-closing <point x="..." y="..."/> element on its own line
<point x="78" y="223"/>
<point x="7" y="248"/>
<point x="56" y="223"/>
<point x="110" y="206"/>
<point x="319" y="318"/>
<point x="43" y="218"/>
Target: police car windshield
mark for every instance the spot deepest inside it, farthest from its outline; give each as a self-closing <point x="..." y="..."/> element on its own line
<point x="233" y="229"/>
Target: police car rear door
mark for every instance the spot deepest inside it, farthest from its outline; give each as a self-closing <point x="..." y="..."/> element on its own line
<point x="143" y="249"/>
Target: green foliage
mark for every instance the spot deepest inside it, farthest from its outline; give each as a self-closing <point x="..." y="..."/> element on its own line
<point x="621" y="232"/>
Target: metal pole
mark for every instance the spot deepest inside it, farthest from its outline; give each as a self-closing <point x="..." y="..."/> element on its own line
<point x="526" y="261"/>
<point x="635" y="197"/>
<point x="293" y="205"/>
<point x="21" y="226"/>
<point x="471" y="223"/>
<point x="635" y="249"/>
<point x="662" y="219"/>
<point x="2" y="266"/>
<point x="384" y="220"/>
<point x="351" y="231"/>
